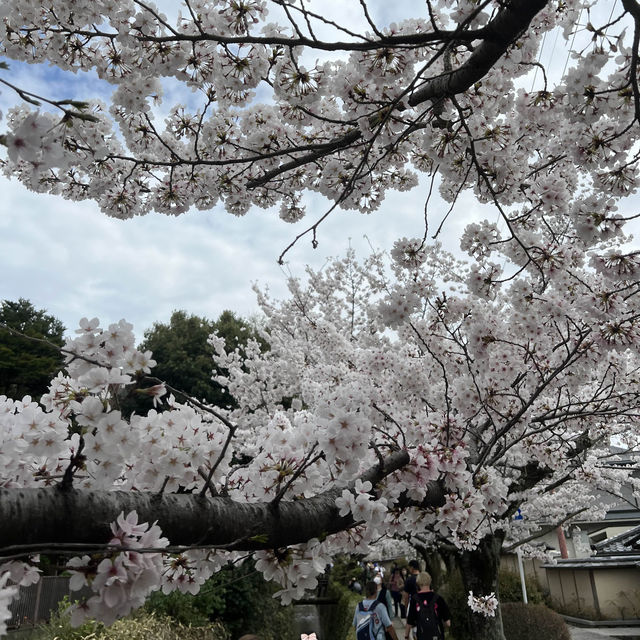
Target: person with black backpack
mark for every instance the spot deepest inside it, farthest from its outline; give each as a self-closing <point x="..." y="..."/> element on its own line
<point x="371" y="618"/>
<point x="428" y="612"/>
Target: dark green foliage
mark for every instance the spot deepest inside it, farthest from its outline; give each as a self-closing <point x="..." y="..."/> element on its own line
<point x="346" y="567"/>
<point x="251" y="608"/>
<point x="532" y="622"/>
<point x="27" y="366"/>
<point x="184" y="357"/>
<point x="338" y="619"/>
<point x="511" y="588"/>
<point x="239" y="597"/>
<point x="208" y="604"/>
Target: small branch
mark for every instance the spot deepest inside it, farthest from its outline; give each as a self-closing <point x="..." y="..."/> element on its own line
<point x="544" y="531"/>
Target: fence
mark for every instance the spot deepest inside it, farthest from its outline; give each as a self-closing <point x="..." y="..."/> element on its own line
<point x="36" y="602"/>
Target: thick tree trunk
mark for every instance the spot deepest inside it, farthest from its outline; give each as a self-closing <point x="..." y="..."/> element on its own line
<point x="479" y="572"/>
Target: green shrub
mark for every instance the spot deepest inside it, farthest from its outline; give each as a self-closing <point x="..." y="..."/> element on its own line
<point x="141" y="626"/>
<point x="336" y="622"/>
<point x="251" y="608"/>
<point x="345" y="567"/>
<point x="532" y="622"/>
<point x="239" y="597"/>
<point x="207" y="605"/>
<point x="510" y="588"/>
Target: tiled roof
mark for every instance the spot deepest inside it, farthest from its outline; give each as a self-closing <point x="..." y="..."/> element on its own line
<point x="627" y="543"/>
<point x="596" y="562"/>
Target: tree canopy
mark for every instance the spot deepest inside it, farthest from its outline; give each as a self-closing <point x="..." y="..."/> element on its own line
<point x="29" y="342"/>
<point x="185" y="358"/>
<point x="424" y="398"/>
<point x="289" y="101"/>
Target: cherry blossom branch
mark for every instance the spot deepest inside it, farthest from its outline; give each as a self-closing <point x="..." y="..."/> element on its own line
<point x="543" y="531"/>
<point x="50" y="516"/>
<point x="307" y="462"/>
<point x="499" y="33"/>
<point x="35" y="99"/>
<point x="632" y="7"/>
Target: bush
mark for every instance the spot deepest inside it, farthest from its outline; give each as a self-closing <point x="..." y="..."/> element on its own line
<point x="207" y="605"/>
<point x="237" y="596"/>
<point x="339" y="619"/>
<point x="532" y="622"/>
<point x="250" y="606"/>
<point x="142" y="626"/>
<point x="510" y="588"/>
<point x="346" y="567"/>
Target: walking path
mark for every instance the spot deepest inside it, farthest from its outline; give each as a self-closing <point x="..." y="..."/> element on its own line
<point x="601" y="633"/>
<point x="577" y="633"/>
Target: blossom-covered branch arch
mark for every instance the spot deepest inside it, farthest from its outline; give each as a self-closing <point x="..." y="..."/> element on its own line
<point x="437" y="93"/>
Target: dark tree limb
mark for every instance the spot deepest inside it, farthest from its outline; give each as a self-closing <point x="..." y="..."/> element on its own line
<point x="499" y="34"/>
<point x="50" y="516"/>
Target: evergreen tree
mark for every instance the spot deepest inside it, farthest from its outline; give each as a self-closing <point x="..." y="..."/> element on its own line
<point x="184" y="356"/>
<point x="27" y="361"/>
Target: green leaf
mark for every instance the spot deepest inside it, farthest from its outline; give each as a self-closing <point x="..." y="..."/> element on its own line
<point x="261" y="537"/>
<point x="83" y="116"/>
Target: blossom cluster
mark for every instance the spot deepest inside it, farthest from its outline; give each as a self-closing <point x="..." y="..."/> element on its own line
<point x="484" y="605"/>
<point x="122" y="581"/>
<point x="7" y="593"/>
<point x="353" y="122"/>
<point x="530" y="379"/>
<point x="78" y="428"/>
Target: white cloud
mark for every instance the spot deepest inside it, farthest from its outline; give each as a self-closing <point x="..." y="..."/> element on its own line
<point x="72" y="260"/>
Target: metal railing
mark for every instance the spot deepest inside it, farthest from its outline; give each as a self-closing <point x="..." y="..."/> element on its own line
<point x="36" y="602"/>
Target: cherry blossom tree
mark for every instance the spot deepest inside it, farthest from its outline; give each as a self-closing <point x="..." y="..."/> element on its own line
<point x="294" y="102"/>
<point x="409" y="404"/>
<point x="427" y="398"/>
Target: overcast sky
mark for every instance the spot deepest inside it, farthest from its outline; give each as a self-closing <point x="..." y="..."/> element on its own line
<point x="73" y="261"/>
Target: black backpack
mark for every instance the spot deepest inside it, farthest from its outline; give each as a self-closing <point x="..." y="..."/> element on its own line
<point x="428" y="627"/>
<point x="364" y="630"/>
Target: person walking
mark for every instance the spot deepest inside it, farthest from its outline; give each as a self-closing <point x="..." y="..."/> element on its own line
<point x="410" y="583"/>
<point x="371" y="618"/>
<point x="383" y="595"/>
<point x="428" y="611"/>
<point x="396" y="584"/>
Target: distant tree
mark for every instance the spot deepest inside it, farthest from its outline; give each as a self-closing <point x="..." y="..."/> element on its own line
<point x="186" y="358"/>
<point x="27" y="362"/>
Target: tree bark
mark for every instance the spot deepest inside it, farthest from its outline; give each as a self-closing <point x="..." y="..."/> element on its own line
<point x="479" y="571"/>
<point x="52" y="518"/>
<point x="509" y="23"/>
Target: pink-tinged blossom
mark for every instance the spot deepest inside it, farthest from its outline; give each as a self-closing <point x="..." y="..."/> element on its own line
<point x="484" y="605"/>
<point x="122" y="581"/>
<point x="23" y="574"/>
